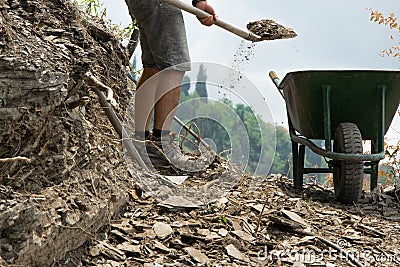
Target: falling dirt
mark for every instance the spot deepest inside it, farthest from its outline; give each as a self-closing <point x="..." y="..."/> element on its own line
<point x="243" y="56"/>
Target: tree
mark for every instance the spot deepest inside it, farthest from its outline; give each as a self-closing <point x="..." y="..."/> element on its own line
<point x="185" y="85"/>
<point x="201" y="83"/>
<point x="215" y="120"/>
<point x="134" y="71"/>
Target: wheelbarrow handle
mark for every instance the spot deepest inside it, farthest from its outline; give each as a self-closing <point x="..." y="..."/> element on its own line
<point x="276" y="81"/>
<point x="219" y="22"/>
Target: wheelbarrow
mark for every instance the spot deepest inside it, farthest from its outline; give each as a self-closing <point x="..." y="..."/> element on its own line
<point x="343" y="108"/>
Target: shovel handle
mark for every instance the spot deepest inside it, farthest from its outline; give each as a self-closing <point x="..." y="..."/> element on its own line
<point x="219" y="22"/>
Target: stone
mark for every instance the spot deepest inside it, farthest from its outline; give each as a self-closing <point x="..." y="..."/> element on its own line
<point x="162" y="230"/>
<point x="197" y="255"/>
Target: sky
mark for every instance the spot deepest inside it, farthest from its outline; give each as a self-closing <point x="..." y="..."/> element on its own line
<point x="332" y="35"/>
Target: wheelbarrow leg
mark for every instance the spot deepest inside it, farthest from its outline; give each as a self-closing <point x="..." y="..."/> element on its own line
<point x="295" y="160"/>
<point x="374" y="166"/>
<point x="377" y="145"/>
<point x="300" y="167"/>
<point x="297" y="173"/>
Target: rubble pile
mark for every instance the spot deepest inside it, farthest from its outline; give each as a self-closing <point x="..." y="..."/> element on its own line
<point x="273" y="225"/>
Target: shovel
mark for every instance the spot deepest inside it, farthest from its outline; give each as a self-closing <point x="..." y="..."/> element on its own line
<point x="219" y="22"/>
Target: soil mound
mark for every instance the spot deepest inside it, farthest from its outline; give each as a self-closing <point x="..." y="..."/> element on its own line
<point x="49" y="116"/>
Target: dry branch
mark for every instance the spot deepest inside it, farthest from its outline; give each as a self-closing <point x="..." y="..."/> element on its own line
<point x="7" y="160"/>
<point x="93" y="81"/>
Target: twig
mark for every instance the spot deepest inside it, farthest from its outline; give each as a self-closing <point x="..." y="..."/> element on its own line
<point x="92" y="183"/>
<point x="348" y="256"/>
<point x="369" y="229"/>
<point x="14" y="159"/>
<point x="101" y="86"/>
<point x="259" y="217"/>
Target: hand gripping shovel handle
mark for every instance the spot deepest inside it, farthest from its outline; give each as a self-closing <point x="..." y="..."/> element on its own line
<point x="219" y="22"/>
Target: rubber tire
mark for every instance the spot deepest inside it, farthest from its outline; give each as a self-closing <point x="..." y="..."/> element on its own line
<point x="348" y="175"/>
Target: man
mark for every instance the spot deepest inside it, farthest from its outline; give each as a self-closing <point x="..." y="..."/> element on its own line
<point x="165" y="59"/>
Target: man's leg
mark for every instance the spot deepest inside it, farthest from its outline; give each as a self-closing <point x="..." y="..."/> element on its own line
<point x="144" y="101"/>
<point x="167" y="99"/>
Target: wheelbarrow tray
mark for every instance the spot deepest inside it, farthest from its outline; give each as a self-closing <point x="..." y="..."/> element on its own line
<point x="355" y="96"/>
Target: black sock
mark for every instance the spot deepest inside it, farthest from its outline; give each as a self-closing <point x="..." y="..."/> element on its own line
<point x="143" y="135"/>
<point x="158" y="133"/>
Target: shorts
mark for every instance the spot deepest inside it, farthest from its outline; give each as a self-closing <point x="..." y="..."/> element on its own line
<point x="162" y="34"/>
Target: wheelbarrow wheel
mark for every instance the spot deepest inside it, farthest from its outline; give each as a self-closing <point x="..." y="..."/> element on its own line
<point x="348" y="175"/>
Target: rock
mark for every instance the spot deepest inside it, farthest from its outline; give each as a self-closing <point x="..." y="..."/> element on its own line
<point x="236" y="226"/>
<point x="179" y="202"/>
<point x="223" y="232"/>
<point x="293" y="216"/>
<point x="131" y="249"/>
<point x="233" y="252"/>
<point x="161" y="247"/>
<point x="197" y="255"/>
<point x="162" y="230"/>
<point x="204" y="232"/>
<point x="243" y="235"/>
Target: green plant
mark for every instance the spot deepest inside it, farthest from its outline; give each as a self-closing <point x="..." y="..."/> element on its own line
<point x="91" y="7"/>
<point x="223" y="219"/>
<point x="96" y="9"/>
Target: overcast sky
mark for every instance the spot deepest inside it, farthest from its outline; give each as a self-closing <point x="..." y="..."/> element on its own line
<point x="331" y="35"/>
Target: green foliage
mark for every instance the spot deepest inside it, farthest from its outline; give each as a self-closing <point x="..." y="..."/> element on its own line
<point x="201" y="83"/>
<point x="216" y="120"/>
<point x="96" y="9"/>
<point x="223" y="219"/>
<point x="282" y="158"/>
<point x="185" y="85"/>
<point x="124" y="33"/>
<point x="91" y="7"/>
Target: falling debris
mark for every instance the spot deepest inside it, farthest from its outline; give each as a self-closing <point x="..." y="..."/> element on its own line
<point x="268" y="29"/>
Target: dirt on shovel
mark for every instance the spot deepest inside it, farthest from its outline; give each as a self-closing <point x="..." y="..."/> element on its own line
<point x="268" y="29"/>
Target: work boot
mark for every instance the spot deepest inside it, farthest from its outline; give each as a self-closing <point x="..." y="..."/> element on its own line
<point x="153" y="159"/>
<point x="164" y="149"/>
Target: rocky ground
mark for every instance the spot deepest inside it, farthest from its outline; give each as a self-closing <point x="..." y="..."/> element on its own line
<point x="273" y="225"/>
<point x="68" y="198"/>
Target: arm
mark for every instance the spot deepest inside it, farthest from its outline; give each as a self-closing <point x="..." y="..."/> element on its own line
<point x="203" y="5"/>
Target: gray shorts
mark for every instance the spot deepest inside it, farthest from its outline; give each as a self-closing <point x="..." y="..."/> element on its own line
<point x="162" y="34"/>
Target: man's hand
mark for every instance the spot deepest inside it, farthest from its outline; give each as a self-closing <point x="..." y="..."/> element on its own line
<point x="209" y="20"/>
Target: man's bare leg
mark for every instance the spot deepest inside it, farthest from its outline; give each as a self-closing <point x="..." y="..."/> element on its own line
<point x="144" y="100"/>
<point x="167" y="97"/>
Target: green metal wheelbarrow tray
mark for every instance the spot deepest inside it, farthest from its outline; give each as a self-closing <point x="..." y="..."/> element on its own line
<point x="343" y="107"/>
